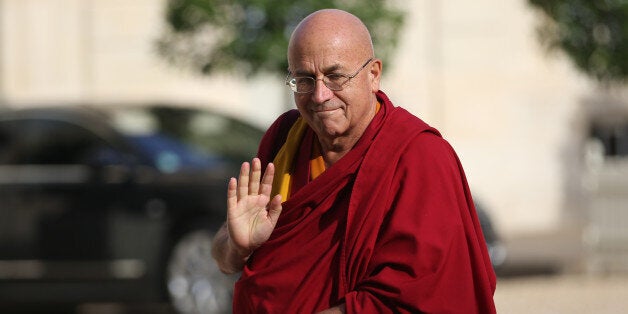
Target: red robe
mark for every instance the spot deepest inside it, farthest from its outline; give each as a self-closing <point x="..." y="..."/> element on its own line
<point x="390" y="227"/>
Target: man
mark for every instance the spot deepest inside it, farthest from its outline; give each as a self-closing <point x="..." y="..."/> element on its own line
<point x="376" y="216"/>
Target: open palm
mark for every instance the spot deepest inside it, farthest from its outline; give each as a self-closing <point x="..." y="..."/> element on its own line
<point x="251" y="214"/>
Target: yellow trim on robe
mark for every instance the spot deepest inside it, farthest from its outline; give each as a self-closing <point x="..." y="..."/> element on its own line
<point x="317" y="162"/>
<point x="285" y="157"/>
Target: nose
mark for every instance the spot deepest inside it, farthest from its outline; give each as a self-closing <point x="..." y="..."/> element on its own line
<point x="321" y="92"/>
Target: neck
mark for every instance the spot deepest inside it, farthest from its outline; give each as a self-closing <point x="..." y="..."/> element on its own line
<point x="334" y="148"/>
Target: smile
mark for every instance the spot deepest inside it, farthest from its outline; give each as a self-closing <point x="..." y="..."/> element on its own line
<point x="325" y="110"/>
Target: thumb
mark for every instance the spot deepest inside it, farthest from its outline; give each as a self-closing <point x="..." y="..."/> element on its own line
<point x="274" y="209"/>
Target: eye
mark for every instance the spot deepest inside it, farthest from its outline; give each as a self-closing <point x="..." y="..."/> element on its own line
<point x="335" y="78"/>
<point x="304" y="80"/>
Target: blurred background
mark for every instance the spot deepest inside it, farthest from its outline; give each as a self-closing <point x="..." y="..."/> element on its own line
<point x="131" y="115"/>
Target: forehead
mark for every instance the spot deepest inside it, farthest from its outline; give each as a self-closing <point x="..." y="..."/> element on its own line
<point x="322" y="58"/>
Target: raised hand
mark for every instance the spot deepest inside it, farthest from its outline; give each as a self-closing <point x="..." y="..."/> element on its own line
<point x="251" y="214"/>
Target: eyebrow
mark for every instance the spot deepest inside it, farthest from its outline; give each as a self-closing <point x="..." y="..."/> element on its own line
<point x="329" y="69"/>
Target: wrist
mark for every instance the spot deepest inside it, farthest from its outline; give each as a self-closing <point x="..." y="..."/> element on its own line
<point x="237" y="252"/>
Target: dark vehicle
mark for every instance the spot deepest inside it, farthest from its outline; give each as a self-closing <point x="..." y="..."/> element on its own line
<point x="116" y="204"/>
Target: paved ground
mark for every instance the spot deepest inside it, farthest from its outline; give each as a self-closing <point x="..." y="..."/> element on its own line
<point x="559" y="294"/>
<point x="548" y="294"/>
<point x="546" y="274"/>
<point x="541" y="294"/>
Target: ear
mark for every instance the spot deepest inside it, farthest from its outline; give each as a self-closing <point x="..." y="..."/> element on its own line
<point x="375" y="74"/>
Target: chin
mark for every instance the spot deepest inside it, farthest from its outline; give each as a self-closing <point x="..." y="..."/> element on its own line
<point x="334" y="131"/>
<point x="331" y="129"/>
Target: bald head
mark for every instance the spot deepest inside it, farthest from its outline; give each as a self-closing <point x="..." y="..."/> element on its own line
<point x="331" y="47"/>
<point x="330" y="30"/>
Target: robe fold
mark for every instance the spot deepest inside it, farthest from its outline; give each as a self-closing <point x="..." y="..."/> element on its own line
<point x="389" y="228"/>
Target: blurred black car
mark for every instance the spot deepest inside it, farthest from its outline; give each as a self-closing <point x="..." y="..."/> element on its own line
<point x="114" y="203"/>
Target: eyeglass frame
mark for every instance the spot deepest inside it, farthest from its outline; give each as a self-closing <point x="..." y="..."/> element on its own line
<point x="292" y="85"/>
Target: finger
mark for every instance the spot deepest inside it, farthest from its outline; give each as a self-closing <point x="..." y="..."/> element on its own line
<point x="256" y="173"/>
<point x="267" y="180"/>
<point x="243" y="181"/>
<point x="232" y="194"/>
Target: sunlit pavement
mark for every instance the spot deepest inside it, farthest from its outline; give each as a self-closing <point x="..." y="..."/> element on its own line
<point x="548" y="294"/>
<point x="547" y="275"/>
<point x="556" y="294"/>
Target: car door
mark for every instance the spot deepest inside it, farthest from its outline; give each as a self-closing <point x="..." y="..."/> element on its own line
<point x="54" y="198"/>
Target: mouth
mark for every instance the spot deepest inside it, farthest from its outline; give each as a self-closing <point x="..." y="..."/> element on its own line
<point x="325" y="110"/>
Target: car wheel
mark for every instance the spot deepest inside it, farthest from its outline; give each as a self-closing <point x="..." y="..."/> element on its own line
<point x="194" y="282"/>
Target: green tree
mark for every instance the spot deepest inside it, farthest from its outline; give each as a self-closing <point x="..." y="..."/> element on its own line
<point x="593" y="33"/>
<point x="251" y="36"/>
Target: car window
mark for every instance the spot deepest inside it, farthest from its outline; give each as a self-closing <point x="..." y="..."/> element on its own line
<point x="48" y="142"/>
<point x="229" y="137"/>
<point x="203" y="133"/>
<point x="170" y="155"/>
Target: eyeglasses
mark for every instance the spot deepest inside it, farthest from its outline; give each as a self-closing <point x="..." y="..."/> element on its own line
<point x="334" y="81"/>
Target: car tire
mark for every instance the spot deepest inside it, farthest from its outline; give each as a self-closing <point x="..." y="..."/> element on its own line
<point x="195" y="284"/>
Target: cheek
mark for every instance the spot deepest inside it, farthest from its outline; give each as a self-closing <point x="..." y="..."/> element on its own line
<point x="302" y="108"/>
<point x="300" y="102"/>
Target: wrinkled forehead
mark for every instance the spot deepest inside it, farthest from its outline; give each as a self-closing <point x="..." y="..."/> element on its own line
<point x="325" y="49"/>
<point x="314" y="45"/>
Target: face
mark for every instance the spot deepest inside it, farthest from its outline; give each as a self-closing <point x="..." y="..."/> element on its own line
<point x="335" y="114"/>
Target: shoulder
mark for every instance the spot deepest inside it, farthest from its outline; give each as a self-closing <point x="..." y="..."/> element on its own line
<point x="399" y="124"/>
<point x="285" y="120"/>
<point x="429" y="141"/>
<point x="428" y="155"/>
<point x="424" y="145"/>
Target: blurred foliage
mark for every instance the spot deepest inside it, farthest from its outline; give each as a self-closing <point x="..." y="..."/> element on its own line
<point x="593" y="33"/>
<point x="251" y="36"/>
